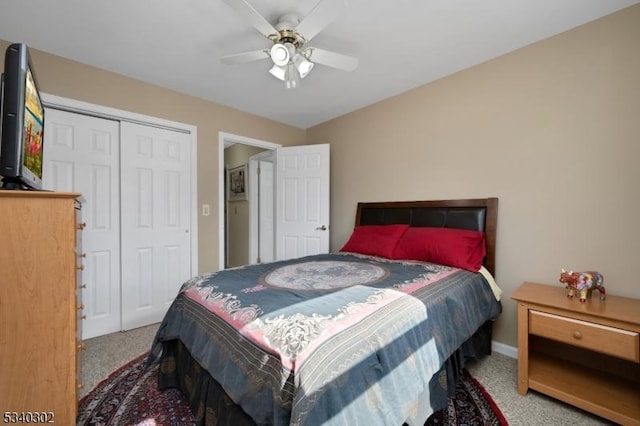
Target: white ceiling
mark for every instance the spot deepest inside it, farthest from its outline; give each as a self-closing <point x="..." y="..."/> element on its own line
<point x="400" y="44"/>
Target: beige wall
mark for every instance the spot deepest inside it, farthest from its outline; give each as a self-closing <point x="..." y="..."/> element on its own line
<point x="62" y="77"/>
<point x="553" y="130"/>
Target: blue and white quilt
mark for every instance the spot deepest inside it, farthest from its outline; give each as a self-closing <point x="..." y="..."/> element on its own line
<point x="328" y="339"/>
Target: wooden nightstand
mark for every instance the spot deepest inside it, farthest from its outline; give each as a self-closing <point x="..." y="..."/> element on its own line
<point x="585" y="354"/>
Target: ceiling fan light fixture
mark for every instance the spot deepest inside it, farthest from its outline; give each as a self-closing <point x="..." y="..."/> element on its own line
<point x="278" y="72"/>
<point x="281" y="53"/>
<point x="289" y="52"/>
<point x="303" y="65"/>
<point x="291" y="77"/>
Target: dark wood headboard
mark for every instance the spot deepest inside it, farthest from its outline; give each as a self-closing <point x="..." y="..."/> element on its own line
<point x="480" y="214"/>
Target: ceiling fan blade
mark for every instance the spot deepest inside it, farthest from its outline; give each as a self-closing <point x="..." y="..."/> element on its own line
<point x="331" y="59"/>
<point x="247" y="11"/>
<point x="241" y="58"/>
<point x="319" y="17"/>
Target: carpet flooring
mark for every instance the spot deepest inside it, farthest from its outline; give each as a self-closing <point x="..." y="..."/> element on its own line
<point x="498" y="373"/>
<point x="129" y="396"/>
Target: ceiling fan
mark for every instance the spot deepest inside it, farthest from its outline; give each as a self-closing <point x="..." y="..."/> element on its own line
<point x="290" y="53"/>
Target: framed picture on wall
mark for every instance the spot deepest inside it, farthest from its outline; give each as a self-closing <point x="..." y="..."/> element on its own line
<point x="237" y="184"/>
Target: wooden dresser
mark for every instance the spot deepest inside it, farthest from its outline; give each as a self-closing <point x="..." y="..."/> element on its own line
<point x="586" y="354"/>
<point x="39" y="306"/>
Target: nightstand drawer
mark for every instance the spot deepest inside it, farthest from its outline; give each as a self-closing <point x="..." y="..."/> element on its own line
<point x="612" y="341"/>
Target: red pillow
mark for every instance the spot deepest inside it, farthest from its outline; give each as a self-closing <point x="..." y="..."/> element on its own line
<point x="447" y="246"/>
<point x="376" y="240"/>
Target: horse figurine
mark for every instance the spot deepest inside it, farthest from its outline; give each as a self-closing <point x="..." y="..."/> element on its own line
<point x="583" y="283"/>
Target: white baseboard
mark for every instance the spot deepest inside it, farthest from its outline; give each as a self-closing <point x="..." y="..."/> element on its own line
<point x="503" y="349"/>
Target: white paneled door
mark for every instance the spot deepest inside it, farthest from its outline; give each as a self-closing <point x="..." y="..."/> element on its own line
<point x="82" y="155"/>
<point x="156" y="230"/>
<point x="302" y="201"/>
<point x="135" y="182"/>
<point x="266" y="234"/>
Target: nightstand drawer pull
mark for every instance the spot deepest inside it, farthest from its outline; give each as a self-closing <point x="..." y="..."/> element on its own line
<point x="577" y="334"/>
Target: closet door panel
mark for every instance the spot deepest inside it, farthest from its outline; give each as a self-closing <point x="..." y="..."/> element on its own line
<point x="82" y="155"/>
<point x="156" y="230"/>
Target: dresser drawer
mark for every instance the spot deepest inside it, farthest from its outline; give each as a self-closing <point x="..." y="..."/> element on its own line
<point x="612" y="341"/>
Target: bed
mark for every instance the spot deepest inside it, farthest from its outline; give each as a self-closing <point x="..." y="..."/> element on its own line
<point x="376" y="334"/>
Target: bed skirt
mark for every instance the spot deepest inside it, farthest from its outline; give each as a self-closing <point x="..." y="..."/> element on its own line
<point x="211" y="406"/>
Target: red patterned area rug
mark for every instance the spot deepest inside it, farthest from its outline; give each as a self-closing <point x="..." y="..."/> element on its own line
<point x="129" y="396"/>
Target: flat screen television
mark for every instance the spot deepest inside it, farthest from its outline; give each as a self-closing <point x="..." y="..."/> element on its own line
<point x="22" y="122"/>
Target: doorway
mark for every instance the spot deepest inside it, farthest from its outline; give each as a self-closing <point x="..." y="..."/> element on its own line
<point x="226" y="140"/>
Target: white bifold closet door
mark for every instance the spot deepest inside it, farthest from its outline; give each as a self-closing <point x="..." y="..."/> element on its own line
<point x="82" y="154"/>
<point x="156" y="206"/>
<point x="135" y="184"/>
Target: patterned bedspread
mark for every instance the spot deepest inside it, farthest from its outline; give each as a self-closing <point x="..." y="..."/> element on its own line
<point x="327" y="339"/>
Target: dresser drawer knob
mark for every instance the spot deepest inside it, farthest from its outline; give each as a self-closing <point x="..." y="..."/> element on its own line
<point x="577" y="335"/>
<point x="82" y="347"/>
<point x="80" y="267"/>
<point x="81" y="226"/>
<point x="80" y="307"/>
<point x="80" y="385"/>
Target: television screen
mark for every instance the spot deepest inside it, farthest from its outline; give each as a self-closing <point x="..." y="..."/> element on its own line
<point x="33" y="129"/>
<point x="22" y="122"/>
